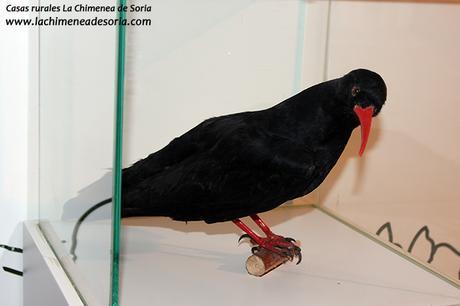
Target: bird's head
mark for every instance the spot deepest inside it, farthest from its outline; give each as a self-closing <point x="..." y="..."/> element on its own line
<point x="362" y="94"/>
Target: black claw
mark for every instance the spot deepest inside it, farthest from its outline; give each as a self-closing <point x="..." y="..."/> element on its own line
<point x="289" y="252"/>
<point x="243" y="237"/>
<point x="299" y="255"/>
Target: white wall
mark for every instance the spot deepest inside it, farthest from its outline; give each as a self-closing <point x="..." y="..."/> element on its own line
<point x="210" y="58"/>
<point x="14" y="92"/>
<point x="410" y="172"/>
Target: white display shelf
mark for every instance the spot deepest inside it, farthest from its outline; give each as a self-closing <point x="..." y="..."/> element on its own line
<point x="173" y="263"/>
<point x="164" y="262"/>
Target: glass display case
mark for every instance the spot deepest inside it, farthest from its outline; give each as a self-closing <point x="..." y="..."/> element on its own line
<point x="107" y="101"/>
<point x="404" y="190"/>
<point x="79" y="96"/>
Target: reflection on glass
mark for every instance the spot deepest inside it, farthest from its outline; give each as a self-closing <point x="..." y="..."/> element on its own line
<point x="77" y="95"/>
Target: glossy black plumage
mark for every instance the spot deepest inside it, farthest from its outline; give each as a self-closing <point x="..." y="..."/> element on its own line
<point x="241" y="164"/>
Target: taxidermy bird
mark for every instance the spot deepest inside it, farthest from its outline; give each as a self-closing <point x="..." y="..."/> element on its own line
<point x="242" y="164"/>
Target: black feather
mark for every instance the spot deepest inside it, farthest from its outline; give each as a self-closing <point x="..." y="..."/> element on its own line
<point x="241" y="164"/>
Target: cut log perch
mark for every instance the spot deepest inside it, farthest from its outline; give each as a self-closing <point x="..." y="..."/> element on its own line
<point x="263" y="261"/>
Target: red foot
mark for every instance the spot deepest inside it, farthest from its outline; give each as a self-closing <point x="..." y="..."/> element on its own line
<point x="274" y="243"/>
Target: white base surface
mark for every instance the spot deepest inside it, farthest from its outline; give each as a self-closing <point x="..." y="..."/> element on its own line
<point x="164" y="262"/>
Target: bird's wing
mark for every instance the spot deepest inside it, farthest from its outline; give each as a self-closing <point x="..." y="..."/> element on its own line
<point x="233" y="179"/>
<point x="192" y="142"/>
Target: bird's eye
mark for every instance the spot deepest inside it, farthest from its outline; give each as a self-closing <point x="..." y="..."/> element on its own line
<point x="355" y="90"/>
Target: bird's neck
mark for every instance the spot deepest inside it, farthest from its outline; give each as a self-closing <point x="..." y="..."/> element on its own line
<point x="315" y="114"/>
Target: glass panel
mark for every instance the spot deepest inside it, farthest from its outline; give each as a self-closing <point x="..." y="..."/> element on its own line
<point x="201" y="59"/>
<point x="404" y="189"/>
<point x="117" y="165"/>
<point x="77" y="96"/>
<point x="224" y="56"/>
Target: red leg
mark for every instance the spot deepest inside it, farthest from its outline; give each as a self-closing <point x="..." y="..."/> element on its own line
<point x="275" y="243"/>
<point x="257" y="239"/>
<point x="270" y="235"/>
<point x="264" y="227"/>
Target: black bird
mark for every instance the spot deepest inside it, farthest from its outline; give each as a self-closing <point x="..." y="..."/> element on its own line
<point x="243" y="164"/>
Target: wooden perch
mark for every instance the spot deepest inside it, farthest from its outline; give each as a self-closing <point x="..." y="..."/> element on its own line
<point x="263" y="261"/>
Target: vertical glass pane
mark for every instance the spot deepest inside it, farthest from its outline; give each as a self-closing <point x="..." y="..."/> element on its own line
<point x="117" y="164"/>
<point x="405" y="188"/>
<point x="77" y="104"/>
<point x="201" y="59"/>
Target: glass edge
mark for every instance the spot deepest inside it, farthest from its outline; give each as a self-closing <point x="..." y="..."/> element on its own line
<point x="326" y="41"/>
<point x="45" y="229"/>
<point x="388" y="245"/>
<point x="299" y="49"/>
<point x="117" y="162"/>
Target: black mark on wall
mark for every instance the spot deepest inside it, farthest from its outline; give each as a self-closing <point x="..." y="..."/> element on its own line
<point x="425" y="231"/>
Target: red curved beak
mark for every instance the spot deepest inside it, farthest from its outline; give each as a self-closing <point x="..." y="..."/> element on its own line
<point x="365" y="119"/>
